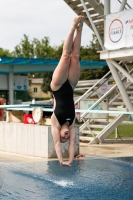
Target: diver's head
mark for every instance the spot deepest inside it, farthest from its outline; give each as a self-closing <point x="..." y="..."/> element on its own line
<point x="64" y="134"/>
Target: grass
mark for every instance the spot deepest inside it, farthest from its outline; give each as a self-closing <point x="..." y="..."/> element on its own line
<point x="124" y="131"/>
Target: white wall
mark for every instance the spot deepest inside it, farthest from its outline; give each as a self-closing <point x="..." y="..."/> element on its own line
<point x="31" y="140"/>
<point x="3" y="82"/>
<point x="20" y="82"/>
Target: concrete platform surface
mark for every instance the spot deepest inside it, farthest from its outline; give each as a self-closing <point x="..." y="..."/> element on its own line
<point x="102" y="150"/>
<point x="108" y="150"/>
<point x="12" y="157"/>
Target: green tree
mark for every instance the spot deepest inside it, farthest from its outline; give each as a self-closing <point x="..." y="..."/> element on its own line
<point x="42" y="49"/>
<point x="25" y="49"/>
<point x="58" y="51"/>
<point x="91" y="52"/>
<point x="34" y="48"/>
<point x="37" y="49"/>
<point x="5" y="53"/>
<point x="91" y="74"/>
<point x="47" y="76"/>
<point x="23" y="95"/>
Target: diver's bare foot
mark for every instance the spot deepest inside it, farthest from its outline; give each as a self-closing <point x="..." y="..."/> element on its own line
<point x="77" y="21"/>
<point x="80" y="24"/>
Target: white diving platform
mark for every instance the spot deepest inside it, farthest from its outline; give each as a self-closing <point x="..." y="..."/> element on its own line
<point x="30" y="108"/>
<point x="124" y="54"/>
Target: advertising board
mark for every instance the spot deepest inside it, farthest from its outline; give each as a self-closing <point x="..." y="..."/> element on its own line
<point x="119" y="30"/>
<point x="85" y="104"/>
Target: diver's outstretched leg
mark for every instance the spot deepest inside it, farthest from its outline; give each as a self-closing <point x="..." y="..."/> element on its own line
<point x="74" y="70"/>
<point x="60" y="74"/>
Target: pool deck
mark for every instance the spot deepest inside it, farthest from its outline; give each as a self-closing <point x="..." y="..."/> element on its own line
<point x="102" y="150"/>
<point x="108" y="150"/>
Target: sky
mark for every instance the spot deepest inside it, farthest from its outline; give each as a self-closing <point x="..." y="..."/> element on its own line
<point x="39" y="19"/>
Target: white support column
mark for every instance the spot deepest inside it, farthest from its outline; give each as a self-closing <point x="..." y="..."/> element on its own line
<point x="106" y="12"/>
<point x="11" y="86"/>
<point x="123" y="3"/>
<point x="120" y="86"/>
<point x="122" y="70"/>
<point x="106" y="7"/>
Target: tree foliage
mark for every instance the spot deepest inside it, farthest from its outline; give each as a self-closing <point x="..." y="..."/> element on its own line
<point x="23" y="95"/>
<point x="5" y="53"/>
<point x="47" y="76"/>
<point x="91" y="74"/>
<point x="91" y="52"/>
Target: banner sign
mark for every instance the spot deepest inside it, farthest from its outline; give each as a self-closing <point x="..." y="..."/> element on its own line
<point x="119" y="30"/>
<point x="21" y="83"/>
<point x="85" y="104"/>
<point x="104" y="87"/>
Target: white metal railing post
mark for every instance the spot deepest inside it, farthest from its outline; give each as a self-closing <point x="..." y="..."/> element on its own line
<point x="120" y="86"/>
<point x="92" y="87"/>
<point x="106" y="7"/>
<point x="106" y="12"/>
<point x="123" y="3"/>
<point x="116" y="133"/>
<point x="122" y="70"/>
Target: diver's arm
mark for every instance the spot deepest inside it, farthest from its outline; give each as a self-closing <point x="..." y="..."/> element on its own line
<point x="56" y="138"/>
<point x="72" y="145"/>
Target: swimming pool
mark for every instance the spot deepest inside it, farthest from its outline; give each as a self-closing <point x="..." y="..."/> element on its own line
<point x="87" y="179"/>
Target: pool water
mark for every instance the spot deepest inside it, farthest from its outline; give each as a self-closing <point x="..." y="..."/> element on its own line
<point x="87" y="179"/>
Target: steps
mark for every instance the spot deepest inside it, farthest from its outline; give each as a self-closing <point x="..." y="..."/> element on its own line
<point x="104" y="125"/>
<point x="95" y="9"/>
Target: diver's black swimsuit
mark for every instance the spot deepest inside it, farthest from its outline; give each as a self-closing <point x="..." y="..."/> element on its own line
<point x="64" y="110"/>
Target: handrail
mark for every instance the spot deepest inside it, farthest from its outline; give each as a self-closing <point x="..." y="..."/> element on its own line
<point x="99" y="86"/>
<point x="92" y="87"/>
<point x="103" y="97"/>
<point x="125" y="4"/>
<point x="125" y="88"/>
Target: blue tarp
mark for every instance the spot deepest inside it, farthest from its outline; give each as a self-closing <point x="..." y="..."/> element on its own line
<point x="40" y="64"/>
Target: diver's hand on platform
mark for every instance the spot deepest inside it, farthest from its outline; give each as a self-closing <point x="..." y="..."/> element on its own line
<point x="65" y="164"/>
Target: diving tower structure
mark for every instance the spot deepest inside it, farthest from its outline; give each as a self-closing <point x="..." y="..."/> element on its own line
<point x="114" y="32"/>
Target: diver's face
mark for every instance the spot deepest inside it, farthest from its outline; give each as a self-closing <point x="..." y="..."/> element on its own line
<point x="64" y="134"/>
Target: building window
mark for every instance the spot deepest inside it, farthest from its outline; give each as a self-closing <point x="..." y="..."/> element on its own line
<point x="35" y="90"/>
